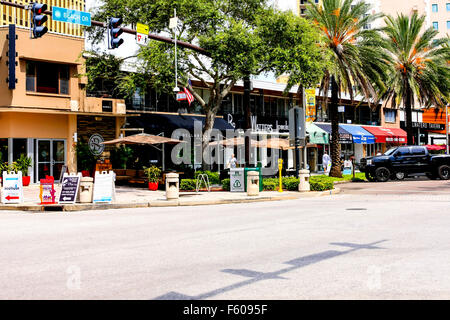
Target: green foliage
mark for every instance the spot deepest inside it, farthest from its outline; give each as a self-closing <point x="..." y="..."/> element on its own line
<point x="8" y="167"/>
<point x="269" y="185"/>
<point x="226" y="184"/>
<point x="85" y="159"/>
<point x="212" y="176"/>
<point x="120" y="156"/>
<point x="153" y="173"/>
<point x="188" y="184"/>
<point x="321" y="185"/>
<point x="22" y="164"/>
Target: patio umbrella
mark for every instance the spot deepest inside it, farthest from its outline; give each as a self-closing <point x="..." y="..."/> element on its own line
<point x="143" y="138"/>
<point x="274" y="143"/>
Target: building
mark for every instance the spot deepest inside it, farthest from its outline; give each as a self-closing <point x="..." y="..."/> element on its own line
<point x="46" y="111"/>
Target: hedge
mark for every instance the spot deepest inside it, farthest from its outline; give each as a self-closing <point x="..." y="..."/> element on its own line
<point x="269" y="185"/>
<point x="321" y="185"/>
<point x="188" y="184"/>
<point x="226" y="184"/>
<point x="212" y="176"/>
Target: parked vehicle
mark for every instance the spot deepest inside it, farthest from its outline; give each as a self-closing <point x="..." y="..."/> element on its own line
<point x="399" y="162"/>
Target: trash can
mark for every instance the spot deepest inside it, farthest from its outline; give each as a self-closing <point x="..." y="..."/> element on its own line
<point x="237" y="181"/>
<point x="172" y="186"/>
<point x="303" y="185"/>
<point x="258" y="169"/>
<point x="252" y="183"/>
<point x="86" y="189"/>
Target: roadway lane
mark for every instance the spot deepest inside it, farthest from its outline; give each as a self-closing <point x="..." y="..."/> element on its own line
<point x="389" y="241"/>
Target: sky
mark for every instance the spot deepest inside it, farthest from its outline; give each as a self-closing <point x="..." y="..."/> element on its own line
<point x="130" y="48"/>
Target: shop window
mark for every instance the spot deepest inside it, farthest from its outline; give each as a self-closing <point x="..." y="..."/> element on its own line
<point x="3" y="150"/>
<point x="227" y="106"/>
<point x="19" y="148"/>
<point x="390" y="115"/>
<point x="47" y="77"/>
<point x="238" y="104"/>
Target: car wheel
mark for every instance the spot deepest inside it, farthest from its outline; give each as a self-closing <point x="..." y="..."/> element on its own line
<point x="444" y="172"/>
<point x="382" y="174"/>
<point x="370" y="177"/>
<point x="400" y="175"/>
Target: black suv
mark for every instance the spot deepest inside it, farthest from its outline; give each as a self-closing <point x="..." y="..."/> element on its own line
<point x="399" y="162"/>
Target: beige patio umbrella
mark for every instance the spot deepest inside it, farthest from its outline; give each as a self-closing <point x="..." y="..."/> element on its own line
<point x="274" y="143"/>
<point x="143" y="138"/>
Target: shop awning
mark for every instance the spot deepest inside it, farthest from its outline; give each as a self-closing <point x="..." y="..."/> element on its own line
<point x="359" y="134"/>
<point x="344" y="136"/>
<point x="387" y="135"/>
<point x="316" y="134"/>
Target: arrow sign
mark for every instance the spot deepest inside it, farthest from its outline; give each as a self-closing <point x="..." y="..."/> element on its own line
<point x="11" y="198"/>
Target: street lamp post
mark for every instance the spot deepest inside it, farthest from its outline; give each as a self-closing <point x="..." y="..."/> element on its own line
<point x="173" y="25"/>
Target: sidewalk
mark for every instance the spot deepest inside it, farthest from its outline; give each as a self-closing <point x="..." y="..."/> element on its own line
<point x="127" y="197"/>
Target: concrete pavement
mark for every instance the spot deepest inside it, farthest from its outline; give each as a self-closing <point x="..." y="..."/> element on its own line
<point x="386" y="242"/>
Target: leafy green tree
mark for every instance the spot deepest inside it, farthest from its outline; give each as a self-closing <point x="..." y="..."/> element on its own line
<point x="356" y="62"/>
<point x="420" y="70"/>
<point x="240" y="37"/>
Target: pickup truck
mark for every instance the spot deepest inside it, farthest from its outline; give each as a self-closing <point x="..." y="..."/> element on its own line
<point x="399" y="162"/>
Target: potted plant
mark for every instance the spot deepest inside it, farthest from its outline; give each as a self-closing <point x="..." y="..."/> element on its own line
<point x="23" y="164"/>
<point x="85" y="159"/>
<point x="153" y="173"/>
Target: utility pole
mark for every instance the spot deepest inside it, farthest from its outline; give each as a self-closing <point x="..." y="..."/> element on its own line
<point x="173" y="25"/>
<point x="247" y="115"/>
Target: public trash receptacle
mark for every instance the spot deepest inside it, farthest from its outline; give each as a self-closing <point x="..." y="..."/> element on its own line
<point x="172" y="186"/>
<point x="86" y="189"/>
<point x="237" y="183"/>
<point x="257" y="169"/>
<point x="303" y="185"/>
<point x="252" y="183"/>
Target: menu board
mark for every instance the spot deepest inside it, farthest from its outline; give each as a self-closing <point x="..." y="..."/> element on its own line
<point x="104" y="188"/>
<point x="69" y="188"/>
<point x="12" y="191"/>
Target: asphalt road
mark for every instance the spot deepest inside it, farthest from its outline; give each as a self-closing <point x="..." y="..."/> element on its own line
<point x="372" y="241"/>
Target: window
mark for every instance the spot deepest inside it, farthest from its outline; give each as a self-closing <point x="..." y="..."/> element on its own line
<point x="403" y="152"/>
<point x="434" y="8"/>
<point x="390" y="115"/>
<point x="435" y="25"/>
<point x="448" y="25"/>
<point x="3" y="150"/>
<point x="448" y="7"/>
<point x="417" y="151"/>
<point x="47" y="77"/>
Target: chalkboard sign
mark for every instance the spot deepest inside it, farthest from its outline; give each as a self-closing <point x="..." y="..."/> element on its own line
<point x="69" y="188"/>
<point x="104" y="188"/>
<point x="12" y="191"/>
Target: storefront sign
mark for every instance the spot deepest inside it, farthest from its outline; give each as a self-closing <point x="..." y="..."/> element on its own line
<point x="47" y="191"/>
<point x="12" y="191"/>
<point x="266" y="127"/>
<point x="310" y="95"/>
<point x="96" y="145"/>
<point x="237" y="180"/>
<point x="142" y="33"/>
<point x="69" y="188"/>
<point x="104" y="189"/>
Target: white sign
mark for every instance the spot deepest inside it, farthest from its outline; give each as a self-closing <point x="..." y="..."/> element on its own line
<point x="237" y="180"/>
<point x="12" y="191"/>
<point x="104" y="188"/>
<point x="173" y="22"/>
<point x="341" y="108"/>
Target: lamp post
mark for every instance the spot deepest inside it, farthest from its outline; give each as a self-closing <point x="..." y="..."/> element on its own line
<point x="173" y="25"/>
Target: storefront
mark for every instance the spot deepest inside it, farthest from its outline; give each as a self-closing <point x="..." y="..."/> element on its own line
<point x="386" y="138"/>
<point x="319" y="138"/>
<point x="362" y="139"/>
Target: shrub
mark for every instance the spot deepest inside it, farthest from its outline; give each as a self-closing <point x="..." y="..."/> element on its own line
<point x="291" y="183"/>
<point x="226" y="184"/>
<point x="188" y="184"/>
<point x="321" y="185"/>
<point x="212" y="176"/>
<point x="269" y="185"/>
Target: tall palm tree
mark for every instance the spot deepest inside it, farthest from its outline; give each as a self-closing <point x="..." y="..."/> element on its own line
<point x="420" y="71"/>
<point x="356" y="63"/>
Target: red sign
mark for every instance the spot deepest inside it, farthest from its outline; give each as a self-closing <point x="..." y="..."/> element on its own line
<point x="47" y="191"/>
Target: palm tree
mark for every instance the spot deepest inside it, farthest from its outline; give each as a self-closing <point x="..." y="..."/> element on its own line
<point x="356" y="63"/>
<point x="420" y="71"/>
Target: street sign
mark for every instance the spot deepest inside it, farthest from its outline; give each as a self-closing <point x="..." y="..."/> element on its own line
<point x="104" y="189"/>
<point x="297" y="121"/>
<point x="69" y="188"/>
<point x="47" y="191"/>
<point x="12" y="191"/>
<point x="237" y="180"/>
<point x="142" y="34"/>
<point x="71" y="16"/>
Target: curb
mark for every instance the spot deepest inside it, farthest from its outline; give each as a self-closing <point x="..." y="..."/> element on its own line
<point x="161" y="203"/>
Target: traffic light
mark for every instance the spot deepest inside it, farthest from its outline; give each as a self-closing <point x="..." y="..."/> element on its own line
<point x="38" y="19"/>
<point x="114" y="32"/>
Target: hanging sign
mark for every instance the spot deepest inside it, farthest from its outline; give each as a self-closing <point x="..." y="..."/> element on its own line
<point x="181" y="96"/>
<point x="12" y="191"/>
<point x="142" y="33"/>
<point x="310" y="105"/>
<point x="69" y="188"/>
<point x="104" y="189"/>
<point x="47" y="193"/>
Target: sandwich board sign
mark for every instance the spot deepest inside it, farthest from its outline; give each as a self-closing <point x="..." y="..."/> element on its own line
<point x="47" y="190"/>
<point x="104" y="189"/>
<point x="69" y="188"/>
<point x="237" y="180"/>
<point x="12" y="191"/>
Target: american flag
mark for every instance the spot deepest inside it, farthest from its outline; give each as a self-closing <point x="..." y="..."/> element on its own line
<point x="189" y="96"/>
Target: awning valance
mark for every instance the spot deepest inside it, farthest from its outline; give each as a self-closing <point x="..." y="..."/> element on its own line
<point x="316" y="134"/>
<point x="387" y="135"/>
<point x="359" y="134"/>
<point x="344" y="136"/>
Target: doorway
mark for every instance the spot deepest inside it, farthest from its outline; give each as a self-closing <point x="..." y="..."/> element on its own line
<point x="50" y="158"/>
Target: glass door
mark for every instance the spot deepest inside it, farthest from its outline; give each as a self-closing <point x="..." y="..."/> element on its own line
<point x="51" y="156"/>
